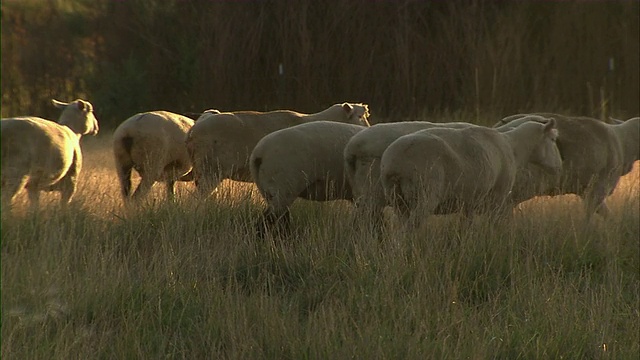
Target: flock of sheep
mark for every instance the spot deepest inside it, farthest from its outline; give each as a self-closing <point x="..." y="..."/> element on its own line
<point x="419" y="168"/>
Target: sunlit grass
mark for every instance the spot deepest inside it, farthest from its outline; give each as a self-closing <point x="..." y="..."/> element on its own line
<point x="190" y="280"/>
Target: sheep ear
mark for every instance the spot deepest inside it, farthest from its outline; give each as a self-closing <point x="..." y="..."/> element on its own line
<point x="59" y="104"/>
<point x="82" y="105"/>
<point x="550" y="124"/>
<point x="550" y="127"/>
<point x="347" y="108"/>
<point x="88" y="106"/>
<point x="614" y="121"/>
<point x="506" y="120"/>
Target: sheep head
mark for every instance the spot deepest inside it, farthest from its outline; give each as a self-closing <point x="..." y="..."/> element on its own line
<point x="78" y="116"/>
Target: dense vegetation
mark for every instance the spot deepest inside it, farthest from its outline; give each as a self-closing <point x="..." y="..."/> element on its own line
<point x="404" y="58"/>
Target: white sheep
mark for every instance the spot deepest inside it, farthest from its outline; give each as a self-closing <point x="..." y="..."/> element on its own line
<point x="595" y="155"/>
<point x="220" y="145"/>
<point x="304" y="161"/>
<point x="362" y="162"/>
<point x="152" y="143"/>
<point x="470" y="169"/>
<point x="42" y="155"/>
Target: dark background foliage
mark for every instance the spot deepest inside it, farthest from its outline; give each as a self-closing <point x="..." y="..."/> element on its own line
<point x="406" y="59"/>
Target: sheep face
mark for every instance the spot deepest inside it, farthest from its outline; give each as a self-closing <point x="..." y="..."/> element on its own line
<point x="357" y="114"/>
<point x="546" y="153"/>
<point x="78" y="116"/>
<point x="628" y="133"/>
<point x="634" y="134"/>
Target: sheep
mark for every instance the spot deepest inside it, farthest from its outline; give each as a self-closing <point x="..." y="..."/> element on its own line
<point x="471" y="169"/>
<point x="42" y="155"/>
<point x="220" y="145"/>
<point x="362" y="162"/>
<point x="595" y="155"/>
<point x="303" y="161"/>
<point x="152" y="143"/>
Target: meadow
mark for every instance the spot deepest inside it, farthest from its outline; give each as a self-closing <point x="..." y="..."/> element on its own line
<point x="190" y="280"/>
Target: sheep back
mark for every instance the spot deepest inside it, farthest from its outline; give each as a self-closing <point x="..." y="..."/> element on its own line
<point x="40" y="149"/>
<point x="153" y="143"/>
<point x="225" y="141"/>
<point x="363" y="152"/>
<point x="592" y="157"/>
<point x="303" y="161"/>
<point x="628" y="133"/>
<point x="470" y="166"/>
<point x="221" y="144"/>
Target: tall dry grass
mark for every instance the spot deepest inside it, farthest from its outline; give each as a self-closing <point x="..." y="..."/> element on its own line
<point x="189" y="280"/>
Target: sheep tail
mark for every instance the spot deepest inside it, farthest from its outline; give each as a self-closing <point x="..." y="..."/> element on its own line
<point x="255" y="168"/>
<point x="125" y="165"/>
<point x="189" y="144"/>
<point x="351" y="165"/>
<point x="127" y="144"/>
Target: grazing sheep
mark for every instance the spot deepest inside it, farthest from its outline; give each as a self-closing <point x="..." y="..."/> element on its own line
<point x="220" y="145"/>
<point x="42" y="155"/>
<point x="470" y="169"/>
<point x="303" y="161"/>
<point x="152" y="143"/>
<point x="595" y="155"/>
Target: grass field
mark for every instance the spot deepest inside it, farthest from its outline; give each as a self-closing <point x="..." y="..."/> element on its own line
<point x="189" y="280"/>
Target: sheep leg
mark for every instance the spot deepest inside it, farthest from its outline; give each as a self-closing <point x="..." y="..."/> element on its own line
<point x="277" y="217"/>
<point x="369" y="217"/>
<point x="263" y="224"/>
<point x="594" y="203"/>
<point x="376" y="216"/>
<point x="187" y="177"/>
<point x="366" y="208"/>
<point x="418" y="203"/>
<point x="9" y="190"/>
<point x="67" y="188"/>
<point x="499" y="206"/>
<point x="284" y="223"/>
<point x="594" y="200"/>
<point x="499" y="215"/>
<point x="143" y="187"/>
<point x="603" y="210"/>
<point x="34" y="197"/>
<point x="124" y="175"/>
<point x="274" y="222"/>
<point x="207" y="175"/>
<point x="410" y="214"/>
<point x="170" y="186"/>
<point x="206" y="184"/>
<point x="399" y="201"/>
